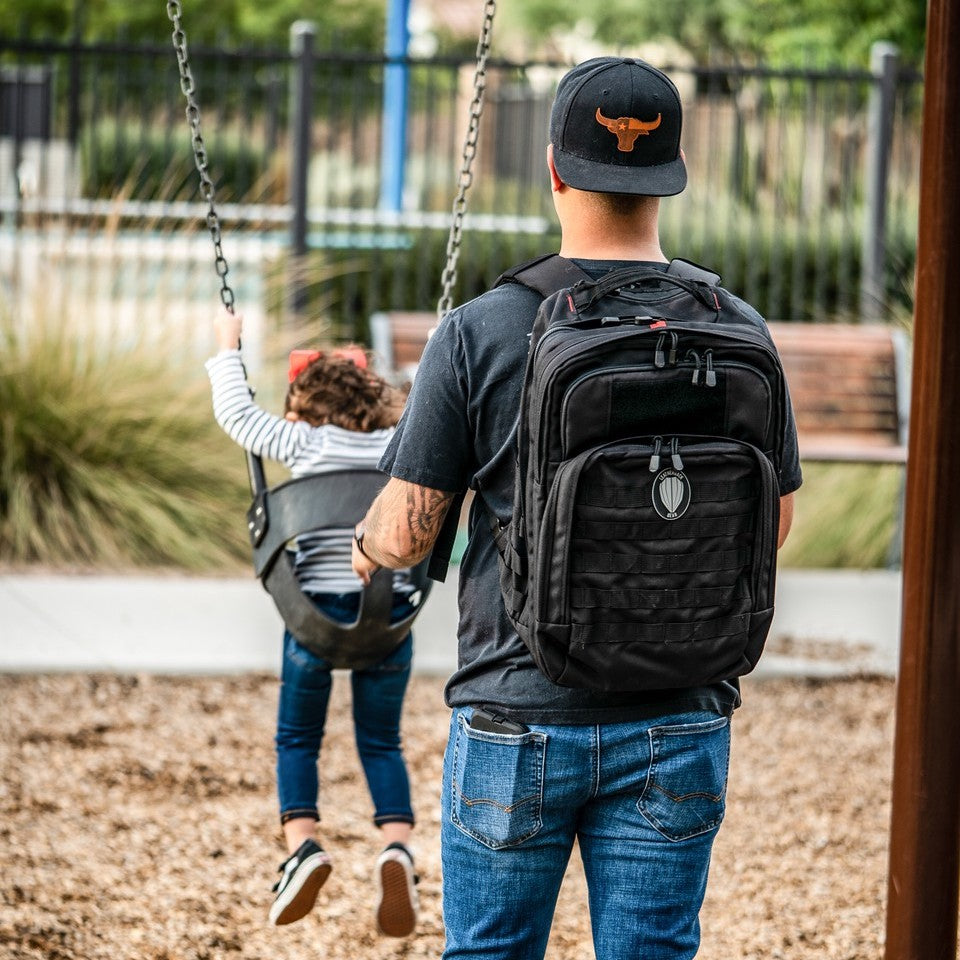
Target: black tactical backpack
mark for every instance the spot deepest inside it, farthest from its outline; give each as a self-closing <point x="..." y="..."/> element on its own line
<point x="642" y="550"/>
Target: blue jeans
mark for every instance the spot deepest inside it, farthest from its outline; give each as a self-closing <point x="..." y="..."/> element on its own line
<point x="377" y="703"/>
<point x="644" y="801"/>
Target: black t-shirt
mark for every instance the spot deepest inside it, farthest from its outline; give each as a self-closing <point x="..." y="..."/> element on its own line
<point x="459" y="421"/>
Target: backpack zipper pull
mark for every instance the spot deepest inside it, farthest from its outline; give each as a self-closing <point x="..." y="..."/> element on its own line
<point x="659" y="361"/>
<point x="711" y="377"/>
<point x="674" y="341"/>
<point x="696" y="370"/>
<point x="655" y="459"/>
<point x="675" y="455"/>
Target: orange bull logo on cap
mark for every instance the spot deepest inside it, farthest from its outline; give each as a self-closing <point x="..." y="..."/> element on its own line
<point x="627" y="129"/>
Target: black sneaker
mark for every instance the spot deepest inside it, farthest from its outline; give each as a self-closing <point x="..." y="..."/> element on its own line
<point x="303" y="874"/>
<point x="397" y="909"/>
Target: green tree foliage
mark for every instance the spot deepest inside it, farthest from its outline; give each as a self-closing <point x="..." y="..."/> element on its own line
<point x="354" y="23"/>
<point x="770" y="31"/>
<point x="785" y="32"/>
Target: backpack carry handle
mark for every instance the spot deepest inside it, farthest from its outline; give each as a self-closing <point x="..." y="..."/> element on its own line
<point x="587" y="295"/>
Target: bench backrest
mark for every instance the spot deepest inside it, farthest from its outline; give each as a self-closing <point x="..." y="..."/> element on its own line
<point x="848" y="382"/>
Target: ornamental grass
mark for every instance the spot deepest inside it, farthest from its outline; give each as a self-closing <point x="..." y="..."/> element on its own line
<point x="110" y="457"/>
<point x="847" y="515"/>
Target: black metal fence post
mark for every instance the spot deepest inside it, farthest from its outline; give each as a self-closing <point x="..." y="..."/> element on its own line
<point x="884" y="64"/>
<point x="302" y="34"/>
<point x="73" y="86"/>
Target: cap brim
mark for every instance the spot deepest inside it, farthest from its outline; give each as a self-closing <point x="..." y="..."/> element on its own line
<point x="659" y="180"/>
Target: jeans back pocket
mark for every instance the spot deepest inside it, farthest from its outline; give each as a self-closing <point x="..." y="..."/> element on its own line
<point x="497" y="785"/>
<point x="685" y="793"/>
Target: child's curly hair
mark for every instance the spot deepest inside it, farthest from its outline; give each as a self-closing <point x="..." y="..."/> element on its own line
<point x="335" y="390"/>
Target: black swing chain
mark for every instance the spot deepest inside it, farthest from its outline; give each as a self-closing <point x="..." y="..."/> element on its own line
<point x="174" y="12"/>
<point x="465" y="179"/>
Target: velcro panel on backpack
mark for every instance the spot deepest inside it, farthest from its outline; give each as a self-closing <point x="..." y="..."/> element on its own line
<point x="634" y="403"/>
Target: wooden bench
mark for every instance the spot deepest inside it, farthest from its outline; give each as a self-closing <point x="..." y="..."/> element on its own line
<point x="398" y="339"/>
<point x="849" y="382"/>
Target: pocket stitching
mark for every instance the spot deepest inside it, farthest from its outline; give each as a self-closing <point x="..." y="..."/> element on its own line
<point x="536" y="738"/>
<point x="676" y="731"/>
<point x="493" y="803"/>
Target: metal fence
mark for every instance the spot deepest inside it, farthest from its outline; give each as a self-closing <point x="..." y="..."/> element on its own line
<point x="803" y="184"/>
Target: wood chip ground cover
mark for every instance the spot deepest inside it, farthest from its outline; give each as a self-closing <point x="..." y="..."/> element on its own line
<point x="137" y="822"/>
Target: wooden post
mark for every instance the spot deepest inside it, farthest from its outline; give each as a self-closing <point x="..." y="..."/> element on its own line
<point x="925" y="832"/>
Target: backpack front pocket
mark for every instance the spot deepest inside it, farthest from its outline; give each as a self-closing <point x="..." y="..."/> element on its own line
<point x="653" y="556"/>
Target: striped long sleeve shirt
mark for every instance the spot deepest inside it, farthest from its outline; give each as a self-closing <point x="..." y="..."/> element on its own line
<point x="323" y="557"/>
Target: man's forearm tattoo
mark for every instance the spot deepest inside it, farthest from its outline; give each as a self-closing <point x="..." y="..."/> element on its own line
<point x="413" y="513"/>
<point x="426" y="509"/>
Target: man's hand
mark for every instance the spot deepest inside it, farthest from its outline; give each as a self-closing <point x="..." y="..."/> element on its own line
<point x="227" y="327"/>
<point x="400" y="528"/>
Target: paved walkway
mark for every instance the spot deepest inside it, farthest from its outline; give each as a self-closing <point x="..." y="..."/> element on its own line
<point x="828" y="623"/>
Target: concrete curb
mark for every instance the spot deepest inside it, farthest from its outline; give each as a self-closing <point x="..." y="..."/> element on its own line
<point x="828" y="623"/>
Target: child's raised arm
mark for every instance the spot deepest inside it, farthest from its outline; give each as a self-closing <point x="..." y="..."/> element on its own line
<point x="252" y="427"/>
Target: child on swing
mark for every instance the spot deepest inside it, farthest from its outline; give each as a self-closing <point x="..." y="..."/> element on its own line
<point x="337" y="414"/>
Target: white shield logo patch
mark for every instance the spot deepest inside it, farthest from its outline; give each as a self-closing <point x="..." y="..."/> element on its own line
<point x="671" y="494"/>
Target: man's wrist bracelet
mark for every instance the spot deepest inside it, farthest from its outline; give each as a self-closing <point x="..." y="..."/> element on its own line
<point x="358" y="536"/>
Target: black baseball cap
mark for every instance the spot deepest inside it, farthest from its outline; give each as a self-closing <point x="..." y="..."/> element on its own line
<point x="615" y="128"/>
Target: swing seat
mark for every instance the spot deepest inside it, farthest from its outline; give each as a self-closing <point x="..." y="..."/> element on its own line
<point x="337" y="499"/>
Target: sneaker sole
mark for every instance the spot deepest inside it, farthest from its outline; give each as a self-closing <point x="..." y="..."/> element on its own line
<point x="297" y="901"/>
<point x="396" y="915"/>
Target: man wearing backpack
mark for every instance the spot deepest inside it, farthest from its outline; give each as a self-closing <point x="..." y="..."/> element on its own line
<point x="632" y="770"/>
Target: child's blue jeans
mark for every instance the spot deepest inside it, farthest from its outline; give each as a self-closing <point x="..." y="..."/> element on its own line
<point x="377" y="703"/>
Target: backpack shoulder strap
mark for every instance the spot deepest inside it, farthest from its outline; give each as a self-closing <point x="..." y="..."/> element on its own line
<point x="550" y="272"/>
<point x="689" y="270"/>
<point x="545" y="274"/>
<point x="724" y="301"/>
